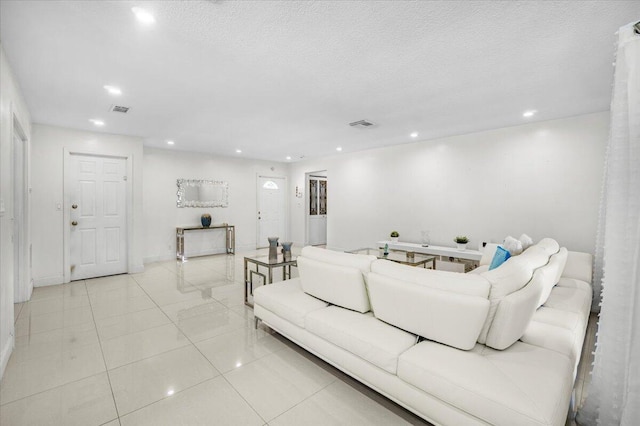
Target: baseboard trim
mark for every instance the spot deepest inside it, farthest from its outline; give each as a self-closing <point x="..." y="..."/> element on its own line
<point x="6" y="354"/>
<point x="47" y="281"/>
<point x="137" y="269"/>
<point x="172" y="256"/>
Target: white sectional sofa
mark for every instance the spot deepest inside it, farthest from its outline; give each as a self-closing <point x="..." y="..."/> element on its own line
<point x="494" y="347"/>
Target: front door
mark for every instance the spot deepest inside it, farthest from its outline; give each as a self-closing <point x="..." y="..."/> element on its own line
<point x="271" y="209"/>
<point x="98" y="243"/>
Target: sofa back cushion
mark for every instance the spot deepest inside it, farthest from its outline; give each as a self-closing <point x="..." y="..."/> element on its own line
<point x="439" y="280"/>
<point x="549" y="245"/>
<point x="513" y="275"/>
<point x="551" y="273"/>
<point x="488" y="252"/>
<point x="579" y="266"/>
<point x="446" y="307"/>
<point x="514" y="312"/>
<point x="335" y="277"/>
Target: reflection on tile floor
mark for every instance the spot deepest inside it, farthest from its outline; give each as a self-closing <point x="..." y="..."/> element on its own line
<point x="173" y="345"/>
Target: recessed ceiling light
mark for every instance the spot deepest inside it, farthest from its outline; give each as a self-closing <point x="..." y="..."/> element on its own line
<point x="97" y="122"/>
<point x="170" y="142"/>
<point x="339" y="149"/>
<point x="238" y="151"/>
<point x="143" y="16"/>
<point x="113" y="90"/>
<point x="414" y="135"/>
<point x="288" y="157"/>
<point x="529" y="113"/>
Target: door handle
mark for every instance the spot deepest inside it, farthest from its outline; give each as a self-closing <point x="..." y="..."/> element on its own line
<point x="74" y="223"/>
<point x="74" y="206"/>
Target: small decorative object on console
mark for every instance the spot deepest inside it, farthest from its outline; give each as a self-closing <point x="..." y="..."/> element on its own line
<point x="273" y="247"/>
<point x="394" y="236"/>
<point x="426" y="238"/>
<point x="462" y="241"/>
<point x="205" y="220"/>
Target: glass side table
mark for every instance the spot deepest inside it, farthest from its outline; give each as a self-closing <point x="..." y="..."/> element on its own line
<point x="269" y="264"/>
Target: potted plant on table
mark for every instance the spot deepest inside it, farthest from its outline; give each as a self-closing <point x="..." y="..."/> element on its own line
<point x="394" y="236"/>
<point x="461" y="241"/>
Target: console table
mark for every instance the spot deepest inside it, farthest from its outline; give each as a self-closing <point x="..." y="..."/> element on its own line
<point x="444" y="253"/>
<point x="402" y="257"/>
<point x="230" y="238"/>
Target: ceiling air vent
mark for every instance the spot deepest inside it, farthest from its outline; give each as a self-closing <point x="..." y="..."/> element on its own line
<point x="361" y="123"/>
<point x="119" y="108"/>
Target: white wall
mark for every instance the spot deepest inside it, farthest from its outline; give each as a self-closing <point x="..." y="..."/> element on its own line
<point x="48" y="225"/>
<point x="543" y="179"/>
<point x="12" y="106"/>
<point x="161" y="216"/>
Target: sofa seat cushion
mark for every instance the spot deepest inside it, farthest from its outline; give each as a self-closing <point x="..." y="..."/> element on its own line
<point x="574" y="283"/>
<point x="556" y="338"/>
<point x="524" y="385"/>
<point x="572" y="299"/>
<point x="559" y="318"/>
<point x="287" y="300"/>
<point x="362" y="335"/>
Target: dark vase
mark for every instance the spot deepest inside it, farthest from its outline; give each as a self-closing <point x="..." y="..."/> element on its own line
<point x="205" y="219"/>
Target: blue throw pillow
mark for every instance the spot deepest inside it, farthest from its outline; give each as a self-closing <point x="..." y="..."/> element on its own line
<point x="499" y="258"/>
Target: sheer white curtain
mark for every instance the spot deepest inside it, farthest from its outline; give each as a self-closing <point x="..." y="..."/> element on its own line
<point x="614" y="392"/>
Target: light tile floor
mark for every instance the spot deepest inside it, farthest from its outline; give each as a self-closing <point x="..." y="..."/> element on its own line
<point x="175" y="345"/>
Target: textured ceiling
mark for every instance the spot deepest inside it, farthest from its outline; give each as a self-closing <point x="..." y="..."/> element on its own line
<point x="286" y="78"/>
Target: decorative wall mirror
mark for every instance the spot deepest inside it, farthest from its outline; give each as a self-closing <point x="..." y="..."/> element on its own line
<point x="202" y="193"/>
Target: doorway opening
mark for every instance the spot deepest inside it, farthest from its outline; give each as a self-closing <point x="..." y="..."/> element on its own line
<point x="316" y="208"/>
<point x="22" y="284"/>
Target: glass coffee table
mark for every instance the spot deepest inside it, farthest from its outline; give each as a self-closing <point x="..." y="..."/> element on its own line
<point x="269" y="264"/>
<point x="399" y="256"/>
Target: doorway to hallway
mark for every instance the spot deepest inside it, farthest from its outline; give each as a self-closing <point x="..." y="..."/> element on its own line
<point x="316" y="208"/>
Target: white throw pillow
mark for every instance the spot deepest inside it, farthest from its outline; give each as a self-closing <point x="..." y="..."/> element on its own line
<point x="512" y="245"/>
<point x="526" y="241"/>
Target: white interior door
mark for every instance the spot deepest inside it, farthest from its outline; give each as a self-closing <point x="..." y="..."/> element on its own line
<point x="271" y="209"/>
<point x="97" y="203"/>
<point x="317" y="219"/>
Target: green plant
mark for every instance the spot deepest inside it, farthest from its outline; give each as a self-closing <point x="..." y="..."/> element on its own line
<point x="394" y="234"/>
<point x="461" y="239"/>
